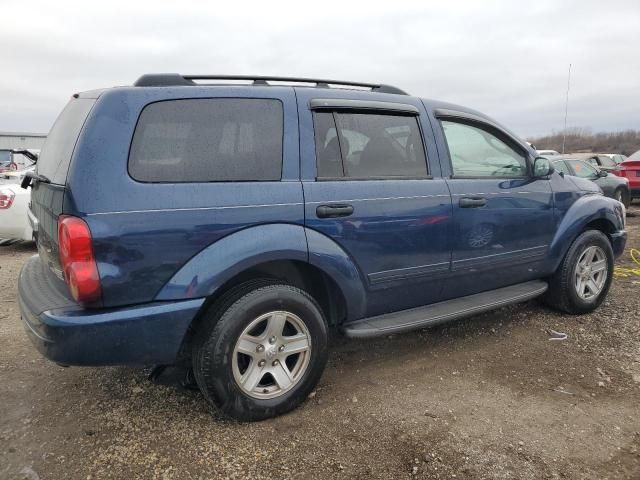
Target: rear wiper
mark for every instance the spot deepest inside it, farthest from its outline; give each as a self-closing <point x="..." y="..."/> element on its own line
<point x="30" y="155"/>
<point x="30" y="177"/>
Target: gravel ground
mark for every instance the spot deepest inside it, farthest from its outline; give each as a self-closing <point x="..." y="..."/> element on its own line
<point x="487" y="397"/>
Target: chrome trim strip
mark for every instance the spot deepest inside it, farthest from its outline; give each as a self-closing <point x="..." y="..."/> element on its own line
<point x="493" y="193"/>
<point x="411" y="272"/>
<point x="381" y="198"/>
<point x="195" y="208"/>
<point x="542" y="248"/>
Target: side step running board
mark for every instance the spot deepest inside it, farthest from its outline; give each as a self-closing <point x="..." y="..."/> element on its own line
<point x="444" y="311"/>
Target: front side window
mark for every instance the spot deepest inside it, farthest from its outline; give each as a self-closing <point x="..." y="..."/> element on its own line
<point x="208" y="140"/>
<point x="365" y="145"/>
<point x="583" y="169"/>
<point x="562" y="167"/>
<point x="477" y="153"/>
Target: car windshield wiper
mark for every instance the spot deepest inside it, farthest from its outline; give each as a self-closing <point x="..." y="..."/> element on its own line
<point x="30" y="155"/>
<point x="30" y="177"/>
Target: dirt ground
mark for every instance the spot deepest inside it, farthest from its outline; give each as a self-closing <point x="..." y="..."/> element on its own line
<point x="487" y="397"/>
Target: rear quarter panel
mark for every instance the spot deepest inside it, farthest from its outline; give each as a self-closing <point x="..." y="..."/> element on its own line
<point x="145" y="232"/>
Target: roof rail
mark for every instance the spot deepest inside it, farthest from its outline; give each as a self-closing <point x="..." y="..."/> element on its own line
<point x="175" y="79"/>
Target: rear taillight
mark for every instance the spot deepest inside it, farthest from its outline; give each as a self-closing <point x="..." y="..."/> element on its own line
<point x="77" y="260"/>
<point x="6" y="198"/>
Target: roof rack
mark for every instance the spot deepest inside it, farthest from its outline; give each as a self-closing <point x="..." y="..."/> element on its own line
<point x="175" y="79"/>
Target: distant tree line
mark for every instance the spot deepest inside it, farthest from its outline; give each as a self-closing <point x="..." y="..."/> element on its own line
<point x="583" y="140"/>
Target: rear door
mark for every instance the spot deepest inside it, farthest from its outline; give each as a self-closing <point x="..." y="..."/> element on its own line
<point x="503" y="217"/>
<point x="373" y="187"/>
<point x="53" y="165"/>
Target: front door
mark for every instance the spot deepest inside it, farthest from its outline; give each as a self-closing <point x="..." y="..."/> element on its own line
<point x="373" y="195"/>
<point x="503" y="217"/>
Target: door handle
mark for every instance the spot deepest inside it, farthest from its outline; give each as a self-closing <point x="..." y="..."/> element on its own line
<point x="472" y="202"/>
<point x="334" y="210"/>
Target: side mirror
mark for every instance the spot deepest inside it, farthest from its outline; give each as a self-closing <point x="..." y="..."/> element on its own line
<point x="542" y="167"/>
<point x="602" y="173"/>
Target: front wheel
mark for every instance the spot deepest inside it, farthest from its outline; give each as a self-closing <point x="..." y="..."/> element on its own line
<point x="583" y="279"/>
<point x="622" y="196"/>
<point x="261" y="352"/>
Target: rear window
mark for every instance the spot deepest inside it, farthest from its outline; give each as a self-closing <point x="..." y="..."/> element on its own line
<point x="5" y="157"/>
<point x="358" y="145"/>
<point x="606" y="161"/>
<point x="208" y="140"/>
<point x="55" y="156"/>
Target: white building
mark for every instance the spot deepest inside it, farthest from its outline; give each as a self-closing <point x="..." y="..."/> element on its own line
<point x="21" y="140"/>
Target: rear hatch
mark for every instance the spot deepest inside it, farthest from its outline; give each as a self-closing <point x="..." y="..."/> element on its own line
<point x="47" y="194"/>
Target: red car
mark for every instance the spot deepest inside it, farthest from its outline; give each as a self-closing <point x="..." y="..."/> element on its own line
<point x="630" y="169"/>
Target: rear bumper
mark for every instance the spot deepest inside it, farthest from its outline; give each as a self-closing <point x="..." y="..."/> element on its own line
<point x="618" y="242"/>
<point x="66" y="333"/>
<point x="635" y="191"/>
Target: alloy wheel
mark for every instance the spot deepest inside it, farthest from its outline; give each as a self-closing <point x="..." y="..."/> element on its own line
<point x="271" y="355"/>
<point x="591" y="273"/>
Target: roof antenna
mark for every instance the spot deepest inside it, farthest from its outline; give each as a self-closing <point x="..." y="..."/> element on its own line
<point x="566" y="110"/>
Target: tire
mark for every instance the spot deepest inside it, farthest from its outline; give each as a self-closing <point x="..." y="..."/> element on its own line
<point x="248" y="311"/>
<point x="622" y="196"/>
<point x="563" y="293"/>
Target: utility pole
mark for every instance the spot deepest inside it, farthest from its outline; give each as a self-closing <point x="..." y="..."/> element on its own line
<point x="566" y="110"/>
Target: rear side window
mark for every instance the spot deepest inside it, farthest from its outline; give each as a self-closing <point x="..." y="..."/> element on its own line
<point x="55" y="156"/>
<point x="359" y="145"/>
<point x="606" y="161"/>
<point x="208" y="140"/>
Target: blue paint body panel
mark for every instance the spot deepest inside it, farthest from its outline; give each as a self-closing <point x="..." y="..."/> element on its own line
<point x="163" y="248"/>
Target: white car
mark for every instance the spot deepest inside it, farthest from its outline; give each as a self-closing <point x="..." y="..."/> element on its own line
<point x="14" y="222"/>
<point x="549" y="153"/>
<point x="15" y="176"/>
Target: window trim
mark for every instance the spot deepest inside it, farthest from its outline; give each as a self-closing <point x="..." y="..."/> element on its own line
<point x="365" y="105"/>
<point x="333" y="112"/>
<point x="169" y="182"/>
<point x="477" y="122"/>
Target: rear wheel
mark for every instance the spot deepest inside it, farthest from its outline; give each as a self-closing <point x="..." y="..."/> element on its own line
<point x="622" y="196"/>
<point x="583" y="279"/>
<point x="261" y="351"/>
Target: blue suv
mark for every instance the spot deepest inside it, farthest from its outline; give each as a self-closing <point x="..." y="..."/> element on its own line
<point x="228" y="227"/>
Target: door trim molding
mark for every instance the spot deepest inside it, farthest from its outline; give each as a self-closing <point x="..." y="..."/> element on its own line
<point x="505" y="259"/>
<point x="408" y="272"/>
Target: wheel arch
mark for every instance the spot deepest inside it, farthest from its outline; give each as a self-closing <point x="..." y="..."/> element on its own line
<point x="589" y="212"/>
<point x="322" y="287"/>
<point x="282" y="252"/>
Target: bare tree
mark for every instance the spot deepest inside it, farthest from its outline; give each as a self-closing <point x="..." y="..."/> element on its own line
<point x="582" y="139"/>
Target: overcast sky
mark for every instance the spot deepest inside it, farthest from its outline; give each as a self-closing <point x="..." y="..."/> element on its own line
<point x="508" y="59"/>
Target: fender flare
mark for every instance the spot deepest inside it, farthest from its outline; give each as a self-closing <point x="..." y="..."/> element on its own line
<point x="583" y="211"/>
<point x="329" y="257"/>
<point x="218" y="263"/>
